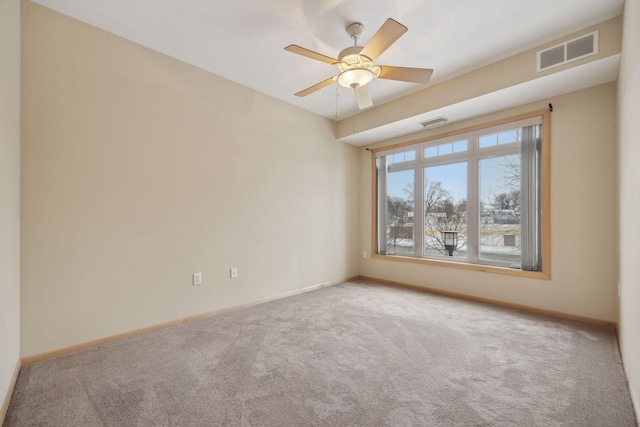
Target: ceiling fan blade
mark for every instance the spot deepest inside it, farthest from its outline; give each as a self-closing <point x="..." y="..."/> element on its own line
<point x="413" y="75"/>
<point x="316" y="87"/>
<point x="363" y="97"/>
<point x="387" y="35"/>
<point x="310" y="54"/>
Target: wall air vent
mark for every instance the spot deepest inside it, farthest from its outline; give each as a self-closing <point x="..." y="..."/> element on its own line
<point x="571" y="50"/>
<point x="434" y="123"/>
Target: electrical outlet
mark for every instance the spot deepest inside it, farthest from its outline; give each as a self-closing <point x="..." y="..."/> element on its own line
<point x="233" y="272"/>
<point x="197" y="279"/>
<point x="364" y="254"/>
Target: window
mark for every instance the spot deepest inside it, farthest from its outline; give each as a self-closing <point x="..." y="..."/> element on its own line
<point x="488" y="184"/>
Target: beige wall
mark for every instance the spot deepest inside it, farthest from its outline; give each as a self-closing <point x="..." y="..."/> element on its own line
<point x="584" y="273"/>
<point x="139" y="170"/>
<point x="9" y="192"/>
<point x="629" y="178"/>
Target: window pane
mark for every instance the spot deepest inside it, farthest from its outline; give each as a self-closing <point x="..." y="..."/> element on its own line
<point x="431" y="151"/>
<point x="445" y="200"/>
<point x="401" y="157"/>
<point x="400" y="209"/>
<point x="488" y="140"/>
<point x="509" y="137"/>
<point x="445" y="149"/>
<point x="500" y="209"/>
<point x="459" y="146"/>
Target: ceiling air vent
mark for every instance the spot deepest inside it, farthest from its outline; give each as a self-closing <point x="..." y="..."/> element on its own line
<point x="434" y="123"/>
<point x="572" y="50"/>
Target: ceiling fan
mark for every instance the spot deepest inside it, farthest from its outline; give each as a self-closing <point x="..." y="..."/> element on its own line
<point x="355" y="63"/>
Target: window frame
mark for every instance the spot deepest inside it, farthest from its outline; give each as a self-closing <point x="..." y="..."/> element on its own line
<point x="472" y="179"/>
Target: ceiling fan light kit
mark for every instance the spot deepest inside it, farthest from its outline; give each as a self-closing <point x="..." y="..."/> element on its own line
<point x="355" y="77"/>
<point x="356" y="63"/>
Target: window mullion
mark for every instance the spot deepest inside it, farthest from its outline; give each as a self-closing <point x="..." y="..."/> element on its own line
<point x="381" y="202"/>
<point x="418" y="208"/>
<point x="473" y="205"/>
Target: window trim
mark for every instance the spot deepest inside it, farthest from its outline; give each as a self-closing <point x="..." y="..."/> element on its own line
<point x="545" y="186"/>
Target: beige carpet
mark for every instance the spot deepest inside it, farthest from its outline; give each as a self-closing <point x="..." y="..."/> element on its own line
<point x="354" y="354"/>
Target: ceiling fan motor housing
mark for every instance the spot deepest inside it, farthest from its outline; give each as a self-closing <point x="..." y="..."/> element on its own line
<point x="351" y="56"/>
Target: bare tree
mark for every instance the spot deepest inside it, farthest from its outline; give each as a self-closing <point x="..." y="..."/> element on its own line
<point x="398" y="219"/>
<point x="509" y="200"/>
<point x="505" y="206"/>
<point x="434" y="195"/>
<point x="512" y="176"/>
<point x="443" y="213"/>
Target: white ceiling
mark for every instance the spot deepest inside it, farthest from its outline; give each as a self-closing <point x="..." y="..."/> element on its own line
<point x="244" y="40"/>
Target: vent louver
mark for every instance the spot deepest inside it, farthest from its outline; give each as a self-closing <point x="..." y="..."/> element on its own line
<point x="572" y="50"/>
<point x="434" y="123"/>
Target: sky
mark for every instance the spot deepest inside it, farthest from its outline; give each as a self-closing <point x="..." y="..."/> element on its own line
<point x="453" y="176"/>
